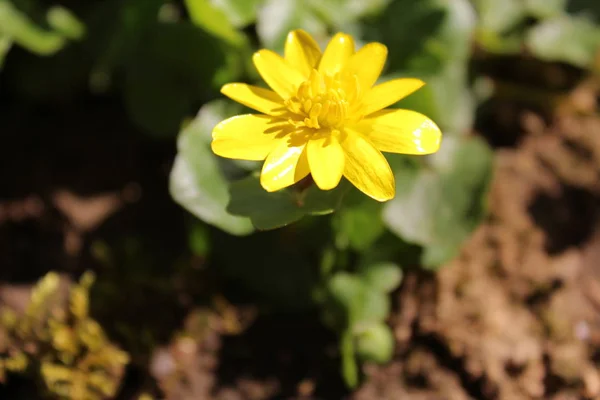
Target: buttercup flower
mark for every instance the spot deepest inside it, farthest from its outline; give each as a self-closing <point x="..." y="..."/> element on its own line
<point x="324" y="116"/>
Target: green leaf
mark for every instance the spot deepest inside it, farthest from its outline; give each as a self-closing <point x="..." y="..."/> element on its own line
<point x="374" y="306"/>
<point x="322" y="202"/>
<point x="24" y="32"/>
<point x="274" y="210"/>
<point x="210" y="17"/>
<point x="196" y="181"/>
<point x="64" y="22"/>
<point x="376" y="343"/>
<point x="346" y="292"/>
<point x="439" y="207"/>
<point x="574" y="40"/>
<point x="355" y="303"/>
<point x="384" y="277"/>
<point x="349" y="365"/>
<point x="265" y="210"/>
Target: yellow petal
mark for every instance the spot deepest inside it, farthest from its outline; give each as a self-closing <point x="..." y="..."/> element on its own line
<point x="264" y="100"/>
<point x="337" y="53"/>
<point x="367" y="168"/>
<point x="302" y="52"/>
<point x="284" y="166"/>
<point x="367" y="63"/>
<point x="326" y="161"/>
<point x="279" y="75"/>
<point x="248" y="137"/>
<point x="401" y="131"/>
<point x="388" y="93"/>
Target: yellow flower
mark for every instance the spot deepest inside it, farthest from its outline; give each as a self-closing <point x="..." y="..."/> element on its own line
<point x="325" y="117"/>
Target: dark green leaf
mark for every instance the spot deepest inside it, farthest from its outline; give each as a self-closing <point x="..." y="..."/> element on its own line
<point x="175" y="67"/>
<point x="274" y="210"/>
<point x="321" y="202"/>
<point x="358" y="224"/>
<point x="406" y="27"/>
<point x="117" y="29"/>
<point x="265" y="210"/>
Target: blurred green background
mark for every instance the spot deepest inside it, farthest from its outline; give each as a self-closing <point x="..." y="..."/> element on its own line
<point x="106" y="112"/>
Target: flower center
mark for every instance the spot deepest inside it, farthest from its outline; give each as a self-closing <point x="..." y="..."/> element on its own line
<point x="322" y="101"/>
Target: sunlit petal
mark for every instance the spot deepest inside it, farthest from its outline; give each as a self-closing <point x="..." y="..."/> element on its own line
<point x="302" y="52"/>
<point x="367" y="64"/>
<point x="279" y="75"/>
<point x="388" y="93"/>
<point x="326" y="161"/>
<point x="338" y="52"/>
<point x="367" y="168"/>
<point x="264" y="100"/>
<point x="285" y="165"/>
<point x="401" y="131"/>
<point x="248" y="137"/>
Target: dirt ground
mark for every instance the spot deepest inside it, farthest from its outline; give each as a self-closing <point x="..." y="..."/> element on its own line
<point x="515" y="316"/>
